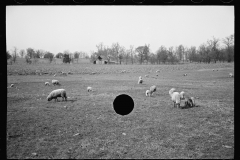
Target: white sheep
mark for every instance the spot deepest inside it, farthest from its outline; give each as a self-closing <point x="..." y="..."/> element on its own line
<point x="12" y="85"/>
<point x="231" y="75"/>
<point x="140" y="80"/>
<point x="47" y="84"/>
<point x="157" y="71"/>
<point x="57" y="93"/>
<point x="185" y="74"/>
<point x="55" y="82"/>
<point x="148" y="93"/>
<point x="152" y="89"/>
<point x="89" y="89"/>
<point x="175" y="97"/>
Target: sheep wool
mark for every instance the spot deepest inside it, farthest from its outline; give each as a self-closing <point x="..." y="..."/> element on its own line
<point x="171" y="91"/>
<point x="153" y="89"/>
<point x="12" y="85"/>
<point x="176" y="99"/>
<point x="55" y="82"/>
<point x="182" y="95"/>
<point x="57" y="93"/>
<point x="147" y="93"/>
<point x="47" y="84"/>
<point x="89" y="89"/>
<point x="230" y="75"/>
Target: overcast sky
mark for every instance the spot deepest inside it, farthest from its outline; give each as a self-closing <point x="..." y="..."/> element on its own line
<point x="81" y="28"/>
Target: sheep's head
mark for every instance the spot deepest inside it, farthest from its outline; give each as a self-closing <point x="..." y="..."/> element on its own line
<point x="182" y="95"/>
<point x="49" y="98"/>
<point x="189" y="102"/>
<point x="171" y="91"/>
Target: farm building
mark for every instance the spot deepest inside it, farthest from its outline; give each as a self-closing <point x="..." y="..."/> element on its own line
<point x="100" y="60"/>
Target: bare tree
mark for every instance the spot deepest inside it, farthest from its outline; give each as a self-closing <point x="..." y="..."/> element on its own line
<point x="14" y="55"/>
<point x="132" y="53"/>
<point x="213" y="47"/>
<point x="116" y="49"/>
<point x="229" y="42"/>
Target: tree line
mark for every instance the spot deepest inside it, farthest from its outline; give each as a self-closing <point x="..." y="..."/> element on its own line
<point x="211" y="51"/>
<point x="32" y="56"/>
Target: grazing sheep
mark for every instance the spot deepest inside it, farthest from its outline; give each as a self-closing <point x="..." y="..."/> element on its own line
<point x="231" y="75"/>
<point x="213" y="70"/>
<point x="12" y="85"/>
<point x="55" y="82"/>
<point x="89" y="89"/>
<point x="54" y="75"/>
<point x="185" y="74"/>
<point x="64" y="73"/>
<point x="47" y="84"/>
<point x="152" y="89"/>
<point x="57" y="93"/>
<point x="190" y="102"/>
<point x="175" y="97"/>
<point x="140" y="80"/>
<point x="148" y="93"/>
<point x="157" y="71"/>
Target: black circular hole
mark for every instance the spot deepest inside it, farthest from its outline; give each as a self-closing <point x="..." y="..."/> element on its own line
<point x="138" y="1"/>
<point x="226" y="1"/>
<point x="167" y="1"/>
<point x="20" y="1"/>
<point x="108" y="1"/>
<point x="79" y="1"/>
<point x="123" y="104"/>
<point x="50" y="1"/>
<point x="197" y="1"/>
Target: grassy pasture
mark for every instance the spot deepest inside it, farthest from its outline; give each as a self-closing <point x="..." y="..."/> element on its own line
<point x="86" y="126"/>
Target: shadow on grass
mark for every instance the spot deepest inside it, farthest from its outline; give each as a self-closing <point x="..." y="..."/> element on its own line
<point x="187" y="106"/>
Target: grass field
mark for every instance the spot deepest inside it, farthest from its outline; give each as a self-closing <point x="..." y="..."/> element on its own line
<point x="86" y="126"/>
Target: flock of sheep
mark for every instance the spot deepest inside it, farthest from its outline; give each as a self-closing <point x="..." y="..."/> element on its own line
<point x="176" y="97"/>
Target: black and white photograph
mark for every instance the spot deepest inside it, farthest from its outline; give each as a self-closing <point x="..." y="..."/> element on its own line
<point x="120" y="81"/>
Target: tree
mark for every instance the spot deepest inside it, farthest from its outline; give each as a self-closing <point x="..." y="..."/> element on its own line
<point x="140" y="51"/>
<point x="49" y="56"/>
<point x="31" y="53"/>
<point x="146" y="52"/>
<point x="152" y="58"/>
<point x="229" y="42"/>
<point x="180" y="52"/>
<point x="213" y="47"/>
<point x="162" y="54"/>
<point x="59" y="55"/>
<point x="14" y="55"/>
<point x="115" y="50"/>
<point x="22" y="53"/>
<point x="132" y="53"/>
<point x="76" y="55"/>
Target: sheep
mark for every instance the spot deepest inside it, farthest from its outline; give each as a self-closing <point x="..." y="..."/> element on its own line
<point x="55" y="82"/>
<point x="190" y="102"/>
<point x="152" y="89"/>
<point x="47" y="84"/>
<point x="64" y="73"/>
<point x="157" y="71"/>
<point x="146" y="75"/>
<point x="140" y="80"/>
<point x="54" y="75"/>
<point x="12" y="85"/>
<point x="185" y="74"/>
<point x="89" y="89"/>
<point x="175" y="97"/>
<point x="231" y="75"/>
<point x="148" y="93"/>
<point x="213" y="70"/>
<point x="57" y="93"/>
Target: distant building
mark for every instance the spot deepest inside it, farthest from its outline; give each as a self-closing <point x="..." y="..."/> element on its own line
<point x="100" y="60"/>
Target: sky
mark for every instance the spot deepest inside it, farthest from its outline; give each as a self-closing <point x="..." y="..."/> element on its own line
<point x="81" y="28"/>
